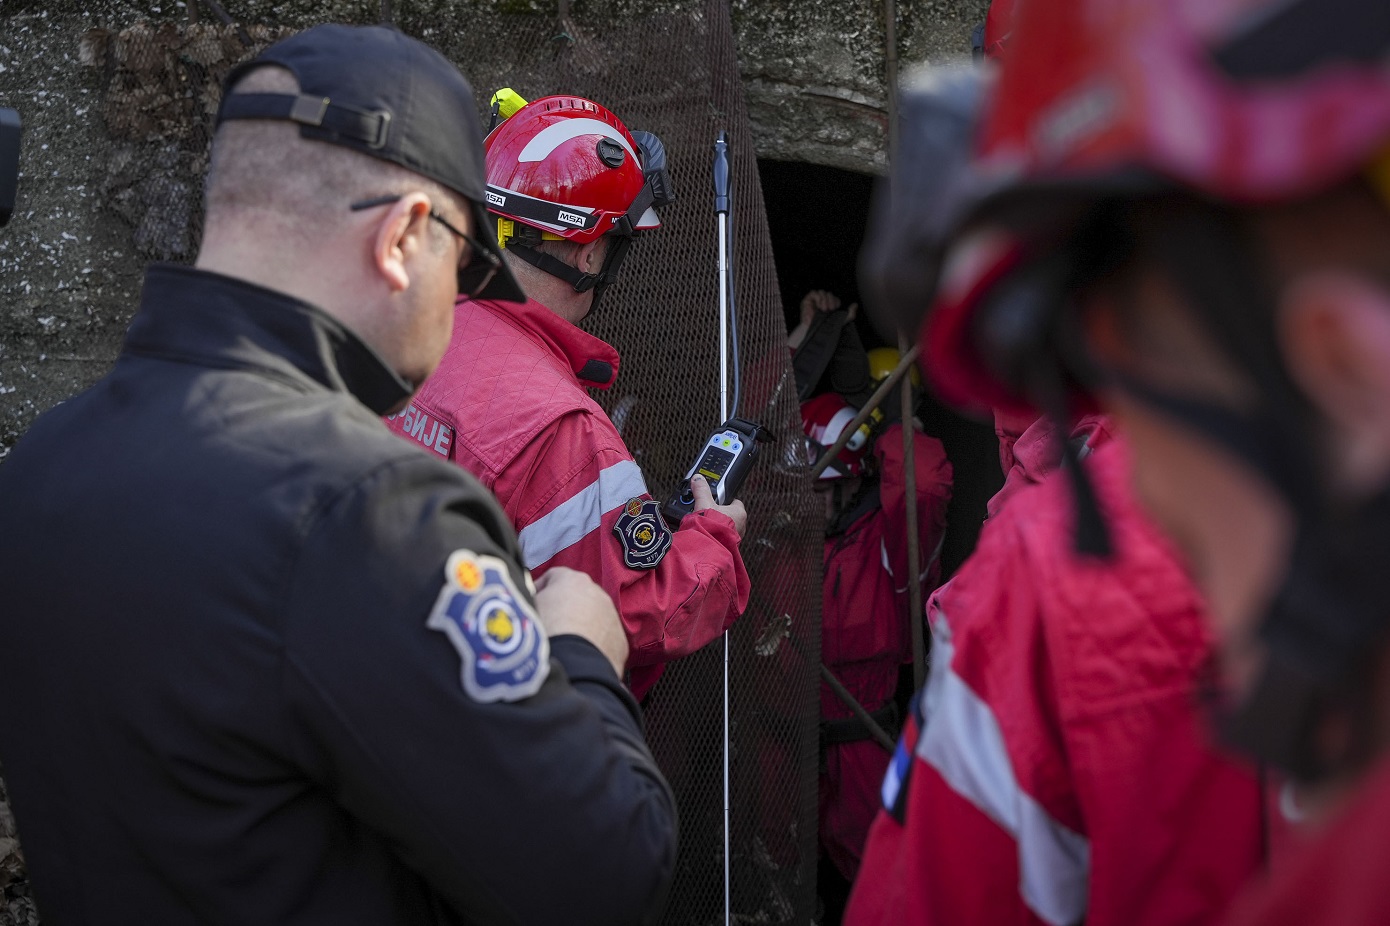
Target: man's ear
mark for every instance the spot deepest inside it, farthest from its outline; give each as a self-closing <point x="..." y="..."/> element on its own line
<point x="400" y="235"/>
<point x="1334" y="329"/>
<point x="591" y="257"/>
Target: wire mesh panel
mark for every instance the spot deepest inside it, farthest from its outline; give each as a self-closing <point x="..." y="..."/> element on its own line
<point x="674" y="73"/>
<point x="683" y="84"/>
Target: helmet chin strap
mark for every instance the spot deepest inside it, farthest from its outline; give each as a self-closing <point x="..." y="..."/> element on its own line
<point x="581" y="282"/>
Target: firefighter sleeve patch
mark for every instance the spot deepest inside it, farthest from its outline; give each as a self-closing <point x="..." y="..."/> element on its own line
<point x="505" y="652"/>
<point x="643" y="533"/>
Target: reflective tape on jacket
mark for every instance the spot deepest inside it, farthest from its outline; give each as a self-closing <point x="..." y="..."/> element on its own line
<point x="963" y="742"/>
<point x="575" y="517"/>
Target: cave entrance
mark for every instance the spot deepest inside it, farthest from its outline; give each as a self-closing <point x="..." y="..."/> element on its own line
<point x="817" y="217"/>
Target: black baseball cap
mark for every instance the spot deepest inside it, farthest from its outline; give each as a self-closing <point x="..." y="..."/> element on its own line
<point x="382" y="93"/>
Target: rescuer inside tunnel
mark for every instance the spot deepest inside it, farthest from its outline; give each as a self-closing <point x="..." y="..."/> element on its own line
<point x="569" y="190"/>
<point x="866" y="637"/>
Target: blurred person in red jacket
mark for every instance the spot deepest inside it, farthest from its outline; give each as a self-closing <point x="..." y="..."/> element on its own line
<point x="1182" y="214"/>
<point x="1056" y="767"/>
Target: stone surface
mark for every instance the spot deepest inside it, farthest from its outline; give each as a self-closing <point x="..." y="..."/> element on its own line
<point x="16" y="902"/>
<point x="813" y="72"/>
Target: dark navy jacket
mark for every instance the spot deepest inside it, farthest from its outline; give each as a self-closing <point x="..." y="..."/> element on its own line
<point x="219" y="698"/>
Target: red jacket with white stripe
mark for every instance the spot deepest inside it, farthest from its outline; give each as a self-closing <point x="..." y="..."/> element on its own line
<point x="866" y="627"/>
<point x="1057" y="766"/>
<point x="508" y="403"/>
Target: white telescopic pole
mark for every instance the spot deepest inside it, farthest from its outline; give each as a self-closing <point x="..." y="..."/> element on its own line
<point x="721" y="208"/>
<point x="723" y="317"/>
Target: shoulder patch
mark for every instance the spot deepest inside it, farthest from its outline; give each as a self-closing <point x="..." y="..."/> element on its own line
<point x="896" y="780"/>
<point x="505" y="652"/>
<point x="643" y="533"/>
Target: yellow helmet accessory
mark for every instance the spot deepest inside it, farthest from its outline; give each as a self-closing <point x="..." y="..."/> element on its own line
<point x="506" y="102"/>
<point x="884" y="360"/>
<point x="506" y="230"/>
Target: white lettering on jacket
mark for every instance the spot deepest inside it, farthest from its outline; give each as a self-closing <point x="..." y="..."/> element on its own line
<point x="428" y="431"/>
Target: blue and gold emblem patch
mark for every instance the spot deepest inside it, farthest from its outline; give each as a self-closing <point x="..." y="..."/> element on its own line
<point x="506" y="655"/>
<point x="643" y="533"/>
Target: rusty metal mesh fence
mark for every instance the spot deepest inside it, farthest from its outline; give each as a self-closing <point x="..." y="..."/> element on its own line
<point x="674" y="73"/>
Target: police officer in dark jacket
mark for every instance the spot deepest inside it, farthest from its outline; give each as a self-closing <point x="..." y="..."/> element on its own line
<point x="262" y="662"/>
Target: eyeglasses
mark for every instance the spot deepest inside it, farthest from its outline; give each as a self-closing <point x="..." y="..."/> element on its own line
<point x="482" y="265"/>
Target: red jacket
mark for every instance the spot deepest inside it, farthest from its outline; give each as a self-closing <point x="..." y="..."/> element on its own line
<point x="1028" y="453"/>
<point x="508" y="403"/>
<point x="1057" y="767"/>
<point x="1338" y="878"/>
<point x="866" y="628"/>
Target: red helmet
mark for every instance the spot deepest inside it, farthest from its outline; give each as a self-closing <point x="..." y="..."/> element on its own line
<point x="570" y="169"/>
<point x="565" y="168"/>
<point x="824" y="418"/>
<point x="1237" y="101"/>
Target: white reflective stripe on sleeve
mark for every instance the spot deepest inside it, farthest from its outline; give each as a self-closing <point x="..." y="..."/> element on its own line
<point x="575" y="517"/>
<point x="887" y="567"/>
<point x="963" y="742"/>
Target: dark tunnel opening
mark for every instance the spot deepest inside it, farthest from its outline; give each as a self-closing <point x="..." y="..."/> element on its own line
<point x="817" y="217"/>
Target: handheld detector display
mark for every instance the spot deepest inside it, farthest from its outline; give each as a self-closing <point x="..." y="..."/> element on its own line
<point x="724" y="461"/>
<point x="721" y="452"/>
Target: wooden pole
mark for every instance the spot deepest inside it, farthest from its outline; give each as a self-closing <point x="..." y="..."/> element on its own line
<point x="562" y="19"/>
<point x="242" y="35"/>
<point x="879" y="735"/>
<point x="914" y="543"/>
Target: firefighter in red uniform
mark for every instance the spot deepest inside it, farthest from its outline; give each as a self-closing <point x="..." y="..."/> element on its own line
<point x="1187" y="221"/>
<point x="570" y="188"/>
<point x="1055" y="768"/>
<point x="1058" y="741"/>
<point x="865" y="630"/>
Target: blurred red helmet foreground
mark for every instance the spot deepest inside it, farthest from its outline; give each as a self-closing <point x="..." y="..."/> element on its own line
<point x="1238" y="101"/>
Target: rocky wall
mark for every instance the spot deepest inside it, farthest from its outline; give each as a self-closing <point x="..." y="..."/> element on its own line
<point x="813" y="71"/>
